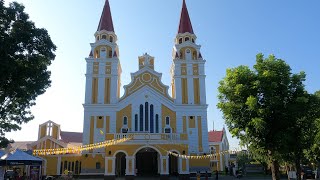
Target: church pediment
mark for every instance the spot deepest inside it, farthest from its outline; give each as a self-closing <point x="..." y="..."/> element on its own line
<point x="146" y="77"/>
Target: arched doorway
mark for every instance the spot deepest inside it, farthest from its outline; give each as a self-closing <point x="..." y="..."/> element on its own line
<point x="173" y="165"/>
<point x="120" y="164"/>
<point x="147" y="162"/>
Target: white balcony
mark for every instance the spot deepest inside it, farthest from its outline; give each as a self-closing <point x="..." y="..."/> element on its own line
<point x="153" y="137"/>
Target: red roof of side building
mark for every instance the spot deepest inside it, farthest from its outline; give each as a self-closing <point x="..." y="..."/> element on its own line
<point x="215" y="136"/>
<point x="106" y="19"/>
<point x="185" y="23"/>
<point x="68" y="137"/>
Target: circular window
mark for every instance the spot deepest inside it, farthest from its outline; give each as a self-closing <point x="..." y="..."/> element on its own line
<point x="188" y="51"/>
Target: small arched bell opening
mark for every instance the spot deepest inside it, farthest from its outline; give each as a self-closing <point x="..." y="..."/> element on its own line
<point x="111" y="38"/>
<point x="104" y="36"/>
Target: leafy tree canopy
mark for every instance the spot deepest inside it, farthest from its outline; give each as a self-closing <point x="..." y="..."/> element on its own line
<point x="25" y="54"/>
<point x="258" y="104"/>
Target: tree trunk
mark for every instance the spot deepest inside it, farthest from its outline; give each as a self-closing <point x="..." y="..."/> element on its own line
<point x="274" y="166"/>
<point x="298" y="167"/>
<point x="275" y="170"/>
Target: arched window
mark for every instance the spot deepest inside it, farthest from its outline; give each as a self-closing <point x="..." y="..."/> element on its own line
<point x="180" y="40"/>
<point x="61" y="166"/>
<point x="151" y="119"/>
<point x="111" y="39"/>
<point x="146" y="128"/>
<point x="69" y="166"/>
<point x="141" y="117"/>
<point x="72" y="167"/>
<point x="167" y="120"/>
<point x="157" y="123"/>
<point x="125" y="120"/>
<point x="104" y="37"/>
<point x="65" y="165"/>
<point x="192" y="40"/>
<point x="76" y="171"/>
<point x="98" y="38"/>
<point x="98" y="165"/>
<point x="110" y="54"/>
<point x="194" y="55"/>
<point x="136" y="122"/>
<point x="186" y="39"/>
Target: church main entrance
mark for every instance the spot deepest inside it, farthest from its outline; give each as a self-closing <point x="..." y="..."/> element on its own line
<point x="147" y="162"/>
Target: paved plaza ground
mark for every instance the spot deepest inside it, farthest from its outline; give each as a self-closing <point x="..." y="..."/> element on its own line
<point x="210" y="178"/>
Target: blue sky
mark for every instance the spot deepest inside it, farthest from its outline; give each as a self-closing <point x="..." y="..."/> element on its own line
<point x="231" y="34"/>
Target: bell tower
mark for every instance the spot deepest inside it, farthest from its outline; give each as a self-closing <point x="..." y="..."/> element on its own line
<point x="103" y="81"/>
<point x="187" y="71"/>
<point x="103" y="77"/>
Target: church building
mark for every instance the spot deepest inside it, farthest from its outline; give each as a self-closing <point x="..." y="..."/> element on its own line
<point x="160" y="125"/>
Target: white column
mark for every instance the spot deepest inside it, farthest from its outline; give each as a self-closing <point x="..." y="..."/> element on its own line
<point x="59" y="165"/>
<point x="113" y="88"/>
<point x="190" y="84"/>
<point x="101" y="82"/>
<point x="221" y="164"/>
<point x="113" y="159"/>
<point x="202" y="90"/>
<point x="130" y="172"/>
<point x="162" y="171"/>
<point x="180" y="165"/>
<point x="178" y="90"/>
<point x="187" y="166"/>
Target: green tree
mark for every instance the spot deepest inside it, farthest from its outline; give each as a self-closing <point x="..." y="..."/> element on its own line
<point x="25" y="54"/>
<point x="256" y="105"/>
<point x="304" y="112"/>
<point x="243" y="159"/>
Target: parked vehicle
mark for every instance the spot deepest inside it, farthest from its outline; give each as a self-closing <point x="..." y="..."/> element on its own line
<point x="307" y="173"/>
<point x="9" y="174"/>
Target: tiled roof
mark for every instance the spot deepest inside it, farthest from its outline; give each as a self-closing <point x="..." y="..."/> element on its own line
<point x="22" y="145"/>
<point x="69" y="137"/>
<point x="215" y="136"/>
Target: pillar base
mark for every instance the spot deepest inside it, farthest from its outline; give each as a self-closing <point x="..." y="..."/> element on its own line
<point x="109" y="177"/>
<point x="184" y="176"/>
<point x="164" y="177"/>
<point x="130" y="177"/>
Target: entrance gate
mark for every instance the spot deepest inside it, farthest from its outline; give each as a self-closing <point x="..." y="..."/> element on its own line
<point x="147" y="162"/>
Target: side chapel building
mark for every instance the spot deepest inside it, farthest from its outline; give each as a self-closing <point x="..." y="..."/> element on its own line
<point x="157" y="122"/>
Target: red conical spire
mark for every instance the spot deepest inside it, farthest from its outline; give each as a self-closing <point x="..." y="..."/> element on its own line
<point x="185" y="23"/>
<point x="106" y="19"/>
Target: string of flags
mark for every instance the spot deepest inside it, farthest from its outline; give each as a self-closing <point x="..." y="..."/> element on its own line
<point x="77" y="150"/>
<point x="204" y="156"/>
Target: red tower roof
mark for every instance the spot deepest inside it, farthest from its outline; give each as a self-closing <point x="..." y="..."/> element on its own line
<point x="106" y="19"/>
<point x="185" y="23"/>
<point x="215" y="136"/>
